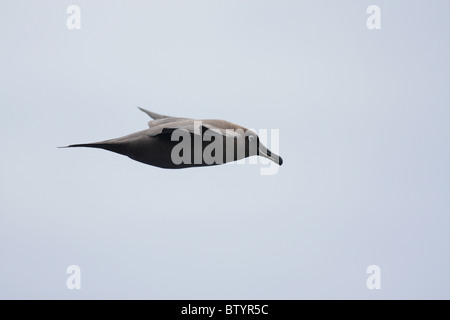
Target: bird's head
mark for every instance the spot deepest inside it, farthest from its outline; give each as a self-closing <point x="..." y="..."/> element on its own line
<point x="253" y="146"/>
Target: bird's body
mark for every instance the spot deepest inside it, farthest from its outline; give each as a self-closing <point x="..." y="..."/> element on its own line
<point x="175" y="143"/>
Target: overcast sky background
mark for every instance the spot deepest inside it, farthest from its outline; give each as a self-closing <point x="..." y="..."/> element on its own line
<point x="364" y="133"/>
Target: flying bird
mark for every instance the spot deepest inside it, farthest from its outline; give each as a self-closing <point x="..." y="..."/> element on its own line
<point x="175" y="143"/>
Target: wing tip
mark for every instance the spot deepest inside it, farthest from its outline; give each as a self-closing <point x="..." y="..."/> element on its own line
<point x="153" y="115"/>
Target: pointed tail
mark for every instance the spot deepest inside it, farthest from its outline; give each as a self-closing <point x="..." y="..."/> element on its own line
<point x="99" y="145"/>
<point x="105" y="145"/>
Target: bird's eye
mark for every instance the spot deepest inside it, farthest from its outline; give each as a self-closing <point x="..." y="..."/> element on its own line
<point x="251" y="138"/>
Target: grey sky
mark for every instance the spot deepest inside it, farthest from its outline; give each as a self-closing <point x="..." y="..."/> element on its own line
<point x="364" y="134"/>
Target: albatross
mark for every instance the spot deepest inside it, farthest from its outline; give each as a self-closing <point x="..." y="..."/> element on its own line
<point x="176" y="143"/>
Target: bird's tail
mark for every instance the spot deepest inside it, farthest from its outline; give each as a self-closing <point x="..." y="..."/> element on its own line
<point x="106" y="145"/>
<point x="100" y="145"/>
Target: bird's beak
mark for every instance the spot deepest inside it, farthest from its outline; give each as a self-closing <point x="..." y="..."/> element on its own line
<point x="266" y="153"/>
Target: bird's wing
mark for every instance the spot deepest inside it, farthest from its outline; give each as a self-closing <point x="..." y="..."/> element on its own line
<point x="160" y="119"/>
<point x="158" y="127"/>
<point x="153" y="115"/>
<point x="200" y="127"/>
